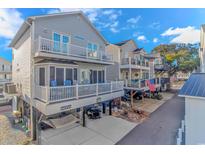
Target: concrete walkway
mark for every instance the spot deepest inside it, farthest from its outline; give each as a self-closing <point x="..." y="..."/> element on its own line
<point x="161" y="128"/>
<point x="108" y="131"/>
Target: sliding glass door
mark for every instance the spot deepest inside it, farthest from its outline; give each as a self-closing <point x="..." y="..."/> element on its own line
<point x="97" y="76"/>
<point x="60" y="42"/>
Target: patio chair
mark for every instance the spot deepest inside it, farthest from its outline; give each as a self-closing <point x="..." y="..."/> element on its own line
<point x="67" y="83"/>
<point x="53" y="83"/>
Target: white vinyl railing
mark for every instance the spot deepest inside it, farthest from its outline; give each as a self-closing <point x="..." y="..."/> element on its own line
<point x="133" y="61"/>
<point x="60" y="93"/>
<point x="41" y="93"/>
<point x="51" y="46"/>
<point x="141" y="83"/>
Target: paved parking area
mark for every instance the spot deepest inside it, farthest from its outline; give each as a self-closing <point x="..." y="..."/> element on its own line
<point x="161" y="127"/>
<point x="105" y="131"/>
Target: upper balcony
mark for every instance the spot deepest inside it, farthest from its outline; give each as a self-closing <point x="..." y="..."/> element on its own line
<point x="161" y="67"/>
<point x="139" y="84"/>
<point x="134" y="63"/>
<point x="54" y="49"/>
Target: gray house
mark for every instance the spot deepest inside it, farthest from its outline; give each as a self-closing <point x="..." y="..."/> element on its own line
<point x="132" y="65"/>
<point x="59" y="65"/>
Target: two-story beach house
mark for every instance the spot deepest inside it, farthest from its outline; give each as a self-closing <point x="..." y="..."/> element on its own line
<point x="59" y="66"/>
<point x="132" y="64"/>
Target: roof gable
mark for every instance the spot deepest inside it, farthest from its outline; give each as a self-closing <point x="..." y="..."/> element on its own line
<point x="29" y="20"/>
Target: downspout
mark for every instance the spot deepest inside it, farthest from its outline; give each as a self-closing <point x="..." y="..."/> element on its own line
<point x="33" y="116"/>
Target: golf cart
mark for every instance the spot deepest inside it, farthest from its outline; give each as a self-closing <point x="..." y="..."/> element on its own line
<point x="93" y="113"/>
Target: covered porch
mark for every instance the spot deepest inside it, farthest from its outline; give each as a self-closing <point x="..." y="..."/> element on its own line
<point x="57" y="82"/>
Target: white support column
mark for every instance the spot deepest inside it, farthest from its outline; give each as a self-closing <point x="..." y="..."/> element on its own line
<point x="39" y="43"/>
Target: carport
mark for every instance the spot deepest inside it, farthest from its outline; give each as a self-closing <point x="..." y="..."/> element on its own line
<point x="107" y="130"/>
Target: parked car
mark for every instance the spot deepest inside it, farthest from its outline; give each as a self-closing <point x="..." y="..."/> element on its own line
<point x="126" y="98"/>
<point x="137" y="95"/>
<point x="93" y="113"/>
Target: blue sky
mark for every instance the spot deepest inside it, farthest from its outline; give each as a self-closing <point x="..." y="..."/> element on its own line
<point x="148" y="27"/>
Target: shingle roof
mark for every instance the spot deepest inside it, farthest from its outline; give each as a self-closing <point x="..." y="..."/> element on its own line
<point x="194" y="86"/>
<point x="122" y="42"/>
<point x="138" y="49"/>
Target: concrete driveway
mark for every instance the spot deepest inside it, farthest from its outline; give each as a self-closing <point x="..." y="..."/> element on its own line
<point x="105" y="131"/>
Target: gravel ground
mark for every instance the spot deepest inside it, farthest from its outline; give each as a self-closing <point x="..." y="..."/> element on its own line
<point x="9" y="135"/>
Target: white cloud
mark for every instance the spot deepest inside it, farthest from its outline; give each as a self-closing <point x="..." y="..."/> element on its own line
<point x="10" y="21"/>
<point x="134" y="20"/>
<point x="141" y="38"/>
<point x="91" y="13"/>
<point x="186" y="35"/>
<point x="95" y="15"/>
<point x="155" y="25"/>
<point x="155" y="40"/>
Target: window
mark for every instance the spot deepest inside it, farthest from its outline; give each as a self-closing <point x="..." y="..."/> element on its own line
<point x="75" y="74"/>
<point x="93" y="76"/>
<point x="69" y="74"/>
<point x="56" y="39"/>
<point x="89" y="47"/>
<point x="5" y="76"/>
<point x="42" y="76"/>
<point x="52" y="74"/>
<point x="101" y="77"/>
<point x="79" y="38"/>
<point x="65" y="43"/>
<point x="60" y="76"/>
<point x="126" y="75"/>
<point x="3" y="67"/>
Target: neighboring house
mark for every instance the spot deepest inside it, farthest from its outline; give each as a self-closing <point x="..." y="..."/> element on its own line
<point x="202" y="49"/>
<point x="59" y="65"/>
<point x="132" y="64"/>
<point x="194" y="93"/>
<point x="5" y="70"/>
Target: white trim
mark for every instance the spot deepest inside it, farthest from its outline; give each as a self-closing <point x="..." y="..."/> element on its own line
<point x="194" y="97"/>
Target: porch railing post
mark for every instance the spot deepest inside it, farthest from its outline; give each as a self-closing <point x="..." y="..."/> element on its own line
<point x="77" y="96"/>
<point x="97" y="89"/>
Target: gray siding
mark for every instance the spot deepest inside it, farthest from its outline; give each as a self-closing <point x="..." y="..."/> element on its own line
<point x="112" y="72"/>
<point x="71" y="25"/>
<point x="126" y="48"/>
<point x="21" y="64"/>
